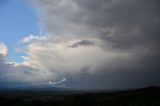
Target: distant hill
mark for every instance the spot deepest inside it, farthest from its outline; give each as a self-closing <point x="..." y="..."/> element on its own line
<point x="151" y="88"/>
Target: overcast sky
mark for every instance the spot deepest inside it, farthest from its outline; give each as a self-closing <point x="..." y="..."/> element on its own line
<point x="80" y="44"/>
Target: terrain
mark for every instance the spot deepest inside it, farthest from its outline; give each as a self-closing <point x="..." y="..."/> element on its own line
<point x="149" y="96"/>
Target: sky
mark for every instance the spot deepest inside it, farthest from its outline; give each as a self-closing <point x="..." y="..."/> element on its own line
<point x="17" y="21"/>
<point x="79" y="44"/>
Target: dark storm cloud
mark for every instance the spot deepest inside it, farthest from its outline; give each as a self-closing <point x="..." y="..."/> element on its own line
<point x="83" y="42"/>
<point x="126" y="26"/>
<point x="122" y="22"/>
<point x="125" y="23"/>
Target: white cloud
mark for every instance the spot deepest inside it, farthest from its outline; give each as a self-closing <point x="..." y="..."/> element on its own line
<point x="60" y="58"/>
<point x="31" y="38"/>
<point x="3" y="49"/>
<point x="57" y="82"/>
<point x="20" y="73"/>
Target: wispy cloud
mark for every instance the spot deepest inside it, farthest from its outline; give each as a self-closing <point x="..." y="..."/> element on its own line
<point x="57" y="82"/>
<point x="32" y="38"/>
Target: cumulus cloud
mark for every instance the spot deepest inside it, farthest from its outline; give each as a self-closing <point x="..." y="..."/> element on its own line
<point x="95" y="44"/>
<point x="61" y="58"/>
<point x="3" y="50"/>
<point x="99" y="43"/>
<point x="14" y="74"/>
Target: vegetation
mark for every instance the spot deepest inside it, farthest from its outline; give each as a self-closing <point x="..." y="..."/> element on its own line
<point x="142" y="97"/>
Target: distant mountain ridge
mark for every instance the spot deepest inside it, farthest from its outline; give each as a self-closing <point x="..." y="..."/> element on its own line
<point x="63" y="89"/>
<point x="150" y="88"/>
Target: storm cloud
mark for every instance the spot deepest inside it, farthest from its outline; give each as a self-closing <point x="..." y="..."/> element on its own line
<point x="96" y="44"/>
<point x="125" y="32"/>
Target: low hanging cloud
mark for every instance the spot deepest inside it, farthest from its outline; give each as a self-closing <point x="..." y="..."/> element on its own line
<point x="95" y="44"/>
